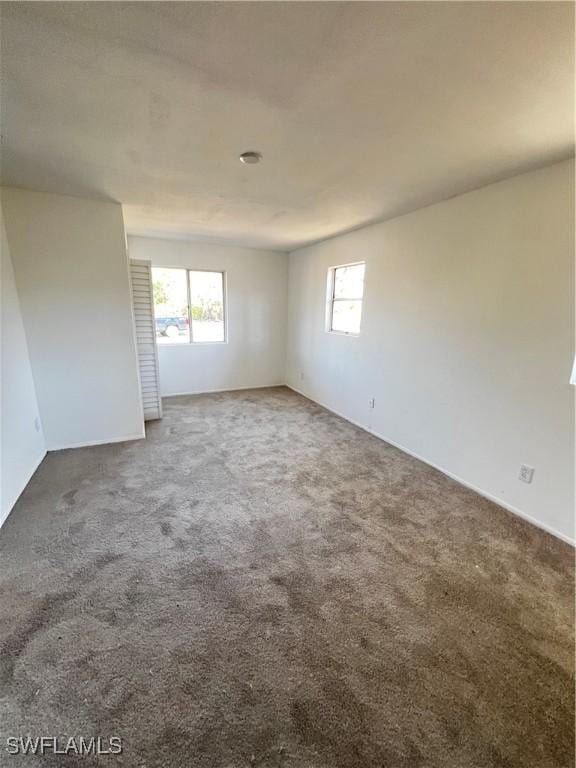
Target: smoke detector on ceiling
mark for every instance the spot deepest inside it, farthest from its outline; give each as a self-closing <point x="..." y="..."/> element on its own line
<point x="250" y="158"/>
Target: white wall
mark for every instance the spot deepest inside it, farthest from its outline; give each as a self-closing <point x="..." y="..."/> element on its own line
<point x="71" y="268"/>
<point x="254" y="354"/>
<point x="467" y="338"/>
<point x="22" y="445"/>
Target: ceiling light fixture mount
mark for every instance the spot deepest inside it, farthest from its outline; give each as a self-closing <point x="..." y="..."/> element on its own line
<point x="250" y="158"/>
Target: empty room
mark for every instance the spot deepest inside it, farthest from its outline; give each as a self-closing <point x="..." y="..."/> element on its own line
<point x="287" y="384"/>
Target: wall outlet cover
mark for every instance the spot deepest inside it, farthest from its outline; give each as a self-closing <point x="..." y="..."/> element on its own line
<point x="526" y="473"/>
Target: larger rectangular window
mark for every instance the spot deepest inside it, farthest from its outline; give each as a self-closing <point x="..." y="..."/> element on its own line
<point x="189" y="305"/>
<point x="345" y="294"/>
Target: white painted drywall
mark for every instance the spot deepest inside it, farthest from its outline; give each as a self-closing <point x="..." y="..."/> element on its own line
<point x="256" y="283"/>
<point x="467" y="338"/>
<point x="71" y="267"/>
<point x="22" y="445"/>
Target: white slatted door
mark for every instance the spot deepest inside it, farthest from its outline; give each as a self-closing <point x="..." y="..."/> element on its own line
<point x="143" y="302"/>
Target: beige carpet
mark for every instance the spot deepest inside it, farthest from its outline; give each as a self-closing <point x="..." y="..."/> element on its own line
<point x="260" y="583"/>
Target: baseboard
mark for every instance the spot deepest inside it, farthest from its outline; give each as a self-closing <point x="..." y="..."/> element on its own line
<point x="485" y="494"/>
<point x="226" y="389"/>
<point x="106" y="441"/>
<point x="35" y="466"/>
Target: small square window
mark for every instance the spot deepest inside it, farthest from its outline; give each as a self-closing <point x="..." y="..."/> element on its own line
<point x="345" y="295"/>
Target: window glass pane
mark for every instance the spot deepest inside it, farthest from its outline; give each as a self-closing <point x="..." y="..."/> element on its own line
<point x="207" y="300"/>
<point x="346" y="315"/>
<point x="170" y="305"/>
<point x="349" y="282"/>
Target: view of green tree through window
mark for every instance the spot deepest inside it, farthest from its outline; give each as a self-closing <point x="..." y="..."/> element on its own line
<point x="188" y="305"/>
<point x="207" y="303"/>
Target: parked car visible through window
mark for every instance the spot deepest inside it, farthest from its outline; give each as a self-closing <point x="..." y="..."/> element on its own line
<point x="189" y="305"/>
<point x="171" y="326"/>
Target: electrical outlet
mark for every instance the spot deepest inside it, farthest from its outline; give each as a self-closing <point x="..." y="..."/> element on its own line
<point x="37" y="424"/>
<point x="526" y="473"/>
<point x="301" y="375"/>
<point x="372" y="402"/>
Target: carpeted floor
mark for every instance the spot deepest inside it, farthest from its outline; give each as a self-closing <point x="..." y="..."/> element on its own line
<point x="260" y="583"/>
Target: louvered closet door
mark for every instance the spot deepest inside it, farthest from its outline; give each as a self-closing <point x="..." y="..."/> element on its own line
<point x="143" y="301"/>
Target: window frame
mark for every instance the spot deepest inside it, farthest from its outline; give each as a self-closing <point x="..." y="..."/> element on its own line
<point x="331" y="298"/>
<point x="191" y="341"/>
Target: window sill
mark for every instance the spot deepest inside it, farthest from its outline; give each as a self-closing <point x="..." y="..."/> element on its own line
<point x="343" y="333"/>
<point x="185" y="345"/>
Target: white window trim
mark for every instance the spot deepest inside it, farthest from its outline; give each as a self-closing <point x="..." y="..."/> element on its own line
<point x="191" y="342"/>
<point x="330" y="298"/>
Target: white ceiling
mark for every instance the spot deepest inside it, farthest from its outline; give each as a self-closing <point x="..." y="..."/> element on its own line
<point x="361" y="110"/>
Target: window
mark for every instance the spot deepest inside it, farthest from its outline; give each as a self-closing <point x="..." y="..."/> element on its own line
<point x="189" y="305"/>
<point x="345" y="293"/>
